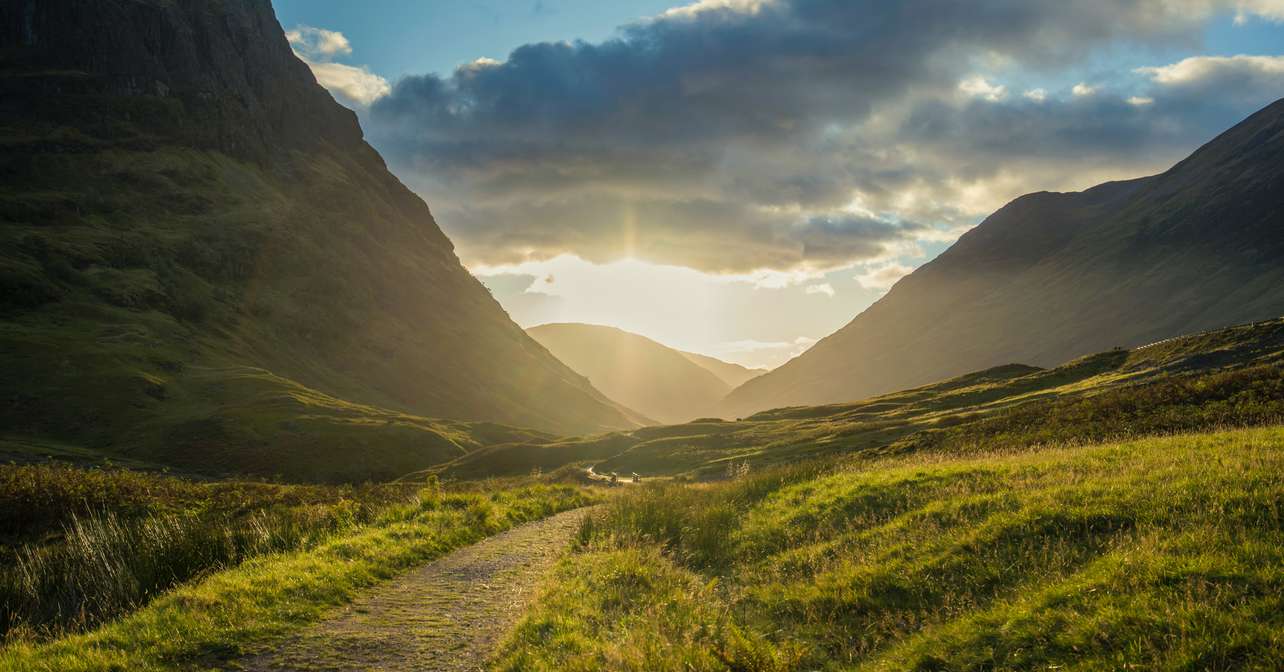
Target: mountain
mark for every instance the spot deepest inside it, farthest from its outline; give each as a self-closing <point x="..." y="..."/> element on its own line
<point x="1052" y="276"/>
<point x="729" y="373"/>
<point x="1225" y="378"/>
<point x="653" y="379"/>
<point x="203" y="264"/>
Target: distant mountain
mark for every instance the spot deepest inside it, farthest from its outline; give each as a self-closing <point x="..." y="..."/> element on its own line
<point x="1052" y="276"/>
<point x="203" y="263"/>
<point x="655" y="380"/>
<point x="729" y="373"/>
<point x="1224" y="378"/>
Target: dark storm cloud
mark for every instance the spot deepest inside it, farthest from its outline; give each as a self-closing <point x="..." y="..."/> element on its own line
<point x="729" y="136"/>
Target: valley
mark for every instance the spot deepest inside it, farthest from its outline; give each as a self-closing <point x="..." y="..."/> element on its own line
<point x="259" y="412"/>
<point x="1225" y="377"/>
<point x="668" y="385"/>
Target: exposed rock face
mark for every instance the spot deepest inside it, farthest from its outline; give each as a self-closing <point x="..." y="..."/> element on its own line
<point x="198" y="246"/>
<point x="1052" y="276"/>
<point x="243" y="90"/>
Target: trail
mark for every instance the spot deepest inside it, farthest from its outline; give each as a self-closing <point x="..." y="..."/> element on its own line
<point x="447" y="615"/>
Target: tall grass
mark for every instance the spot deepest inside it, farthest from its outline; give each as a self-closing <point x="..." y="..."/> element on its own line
<point x="83" y="546"/>
<point x="107" y="565"/>
<point x="222" y="614"/>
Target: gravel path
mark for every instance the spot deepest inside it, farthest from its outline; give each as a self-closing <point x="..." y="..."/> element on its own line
<point x="447" y="615"/>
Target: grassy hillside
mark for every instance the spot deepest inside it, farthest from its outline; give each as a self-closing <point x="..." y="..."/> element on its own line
<point x="1227" y="377"/>
<point x="1053" y="276"/>
<point x="103" y="568"/>
<point x="653" y="379"/>
<point x="1156" y="554"/>
<point x="212" y="269"/>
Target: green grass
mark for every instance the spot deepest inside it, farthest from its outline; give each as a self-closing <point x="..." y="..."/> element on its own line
<point x="81" y="546"/>
<point x="1162" y="553"/>
<point x="245" y="608"/>
<point x="296" y="317"/>
<point x="1231" y="377"/>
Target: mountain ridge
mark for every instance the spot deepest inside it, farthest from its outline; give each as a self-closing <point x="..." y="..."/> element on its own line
<point x="204" y="264"/>
<point x="1051" y="276"/>
<point x="730" y="373"/>
<point x="640" y="373"/>
<point x="1219" y="378"/>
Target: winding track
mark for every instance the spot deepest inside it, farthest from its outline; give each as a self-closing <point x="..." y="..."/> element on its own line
<point x="447" y="615"/>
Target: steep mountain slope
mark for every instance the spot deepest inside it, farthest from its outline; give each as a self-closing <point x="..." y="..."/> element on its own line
<point x="731" y="374"/>
<point x="1228" y="377"/>
<point x="1052" y="276"/>
<point x="202" y="262"/>
<point x="651" y="378"/>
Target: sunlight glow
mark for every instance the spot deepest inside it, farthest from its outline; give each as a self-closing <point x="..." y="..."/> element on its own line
<point x="754" y="319"/>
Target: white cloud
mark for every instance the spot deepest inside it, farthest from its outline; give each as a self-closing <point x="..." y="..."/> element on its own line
<point x="1083" y="89"/>
<point x="882" y="277"/>
<point x="696" y="8"/>
<point x="979" y="87"/>
<point x="1198" y="69"/>
<point x="357" y="84"/>
<point x="823" y="288"/>
<point x="318" y="43"/>
<point x="1037" y="95"/>
<point x="1271" y="10"/>
<point x="1140" y="101"/>
<point x="317" y="47"/>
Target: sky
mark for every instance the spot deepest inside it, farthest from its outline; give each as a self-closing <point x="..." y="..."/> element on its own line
<point x="742" y="177"/>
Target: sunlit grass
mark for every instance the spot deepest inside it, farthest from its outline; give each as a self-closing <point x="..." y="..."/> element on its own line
<point x="243" y="608"/>
<point x="1161" y="553"/>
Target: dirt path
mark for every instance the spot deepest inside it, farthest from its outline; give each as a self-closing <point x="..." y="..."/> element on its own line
<point x="447" y="615"/>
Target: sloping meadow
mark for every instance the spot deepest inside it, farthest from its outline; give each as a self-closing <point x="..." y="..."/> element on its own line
<point x="1159" y="553"/>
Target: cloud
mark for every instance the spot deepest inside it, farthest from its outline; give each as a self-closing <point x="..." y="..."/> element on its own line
<point x="1240" y="77"/>
<point x="978" y="87"/>
<point x="318" y="43"/>
<point x="823" y="288"/>
<point x="318" y="47"/>
<point x="1139" y="101"/>
<point x="356" y="84"/>
<point x="712" y="235"/>
<point x="699" y="7"/>
<point x="881" y="277"/>
<point x="1271" y="10"/>
<point x="734" y="136"/>
<point x="1202" y="69"/>
<point x="1082" y="89"/>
